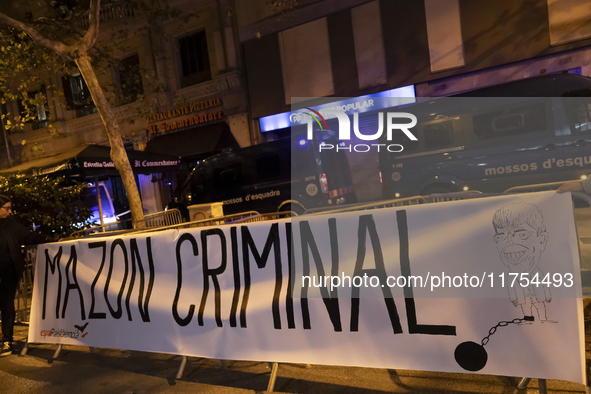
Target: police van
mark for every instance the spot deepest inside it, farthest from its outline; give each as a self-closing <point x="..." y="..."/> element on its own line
<point x="289" y="174"/>
<point x="531" y="131"/>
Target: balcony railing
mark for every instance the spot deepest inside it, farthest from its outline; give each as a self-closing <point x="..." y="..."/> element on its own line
<point x="111" y="12"/>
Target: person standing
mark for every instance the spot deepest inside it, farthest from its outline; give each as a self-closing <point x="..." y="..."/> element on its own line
<point x="12" y="264"/>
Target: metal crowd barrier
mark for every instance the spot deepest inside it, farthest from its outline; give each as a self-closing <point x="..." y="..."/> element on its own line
<point x="548" y="186"/>
<point x="158" y="219"/>
<point x="265" y="216"/>
<point x="172" y="220"/>
<point x="216" y="221"/>
<point x="442" y="197"/>
<point x="534" y="188"/>
<point x="397" y="202"/>
<point x="400" y="202"/>
<point x="24" y="291"/>
<point x="243" y="217"/>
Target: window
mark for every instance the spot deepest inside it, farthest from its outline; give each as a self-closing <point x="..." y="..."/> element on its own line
<point x="130" y="80"/>
<point x="41" y="119"/>
<point x="305" y="60"/>
<point x="228" y="176"/>
<point x="303" y="160"/>
<point x="5" y="112"/>
<point x="438" y="135"/>
<point x="194" y="59"/>
<point x="578" y="110"/>
<point x="408" y="145"/>
<point x="198" y="185"/>
<point x="33" y="108"/>
<point x="513" y="121"/>
<point x="77" y="95"/>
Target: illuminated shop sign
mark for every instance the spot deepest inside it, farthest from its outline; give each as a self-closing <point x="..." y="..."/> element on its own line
<point x="184" y="110"/>
<point x="388" y="99"/>
<point x="162" y="123"/>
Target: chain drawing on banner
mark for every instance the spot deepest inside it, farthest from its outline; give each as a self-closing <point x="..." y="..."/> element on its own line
<point x="521" y="238"/>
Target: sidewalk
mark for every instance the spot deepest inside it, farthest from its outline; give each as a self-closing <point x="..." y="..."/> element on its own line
<point x="77" y="370"/>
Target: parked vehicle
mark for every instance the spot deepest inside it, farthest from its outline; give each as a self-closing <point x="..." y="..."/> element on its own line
<point x="287" y="174"/>
<point x="526" y="132"/>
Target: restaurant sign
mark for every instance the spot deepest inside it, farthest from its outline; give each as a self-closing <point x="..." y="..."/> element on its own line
<point x="162" y="123"/>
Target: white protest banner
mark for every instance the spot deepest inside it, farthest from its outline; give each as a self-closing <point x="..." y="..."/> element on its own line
<point x="488" y="285"/>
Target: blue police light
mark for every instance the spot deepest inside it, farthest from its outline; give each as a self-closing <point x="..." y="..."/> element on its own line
<point x="303" y="142"/>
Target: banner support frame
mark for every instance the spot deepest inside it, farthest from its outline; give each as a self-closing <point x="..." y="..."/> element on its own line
<point x="179" y="374"/>
<point x="274" y="368"/>
<point x="542" y="388"/>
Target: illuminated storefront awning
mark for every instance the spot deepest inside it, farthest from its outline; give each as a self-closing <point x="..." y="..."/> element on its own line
<point x="94" y="160"/>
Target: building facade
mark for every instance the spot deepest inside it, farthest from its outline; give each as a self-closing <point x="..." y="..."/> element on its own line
<point x="203" y="81"/>
<point x="352" y="48"/>
<point x="178" y="89"/>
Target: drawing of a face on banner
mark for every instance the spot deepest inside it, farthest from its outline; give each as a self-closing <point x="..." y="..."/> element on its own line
<point x="521" y="238"/>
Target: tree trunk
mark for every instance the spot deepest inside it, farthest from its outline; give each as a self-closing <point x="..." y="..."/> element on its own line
<point x="80" y="53"/>
<point x="118" y="154"/>
<point x="5" y="139"/>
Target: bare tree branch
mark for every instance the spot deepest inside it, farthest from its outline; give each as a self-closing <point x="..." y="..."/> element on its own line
<point x="57" y="46"/>
<point x="79" y="53"/>
<point x="89" y="38"/>
<point x="52" y="23"/>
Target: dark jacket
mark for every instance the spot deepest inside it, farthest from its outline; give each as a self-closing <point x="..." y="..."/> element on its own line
<point x="17" y="235"/>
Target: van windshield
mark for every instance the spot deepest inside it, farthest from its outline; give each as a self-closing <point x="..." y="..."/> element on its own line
<point x="303" y="160"/>
<point x="578" y="110"/>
